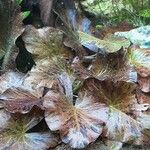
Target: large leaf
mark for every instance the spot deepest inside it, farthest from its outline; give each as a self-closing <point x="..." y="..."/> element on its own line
<point x="121" y="127"/>
<point x="117" y="94"/>
<point x="10" y="26"/>
<point x="78" y="124"/>
<point x="44" y="42"/>
<point x="15" y="135"/>
<point x="140" y="59"/>
<point x="113" y="66"/>
<point x="21" y="100"/>
<point x="46" y="71"/>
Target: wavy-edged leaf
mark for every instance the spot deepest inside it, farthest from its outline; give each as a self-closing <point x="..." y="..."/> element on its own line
<point x="116" y="94"/>
<point x="20" y="100"/>
<point x="15" y="134"/>
<point x="114" y="66"/>
<point x="10" y="26"/>
<point x="44" y="42"/>
<point x="102" y="46"/>
<point x="11" y="79"/>
<point x="46" y="71"/>
<point x="78" y="124"/>
<point x="140" y="59"/>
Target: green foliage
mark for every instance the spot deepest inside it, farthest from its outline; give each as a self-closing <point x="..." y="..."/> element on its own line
<point x="25" y="14"/>
<point x="145" y="13"/>
<point x="19" y="1"/>
<point x="136" y="12"/>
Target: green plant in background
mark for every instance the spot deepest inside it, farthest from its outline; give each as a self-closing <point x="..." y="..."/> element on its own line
<point x="136" y="12"/>
<point x="19" y="1"/>
<point x="25" y="14"/>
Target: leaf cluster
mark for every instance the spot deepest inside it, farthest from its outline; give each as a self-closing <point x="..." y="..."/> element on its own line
<point x="81" y="90"/>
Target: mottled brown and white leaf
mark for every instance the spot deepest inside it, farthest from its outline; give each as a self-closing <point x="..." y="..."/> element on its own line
<point x="20" y="100"/>
<point x="15" y="134"/>
<point x="78" y="124"/>
<point x="45" y="73"/>
<point x="114" y="66"/>
<point x="144" y="83"/>
<point x="44" y="42"/>
<point x="121" y="127"/>
<point x="140" y="59"/>
<point x="11" y="79"/>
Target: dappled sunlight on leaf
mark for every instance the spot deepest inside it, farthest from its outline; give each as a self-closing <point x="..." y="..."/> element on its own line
<point x="101" y="46"/>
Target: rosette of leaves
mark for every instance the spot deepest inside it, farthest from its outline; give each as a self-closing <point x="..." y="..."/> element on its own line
<point x="10" y="27"/>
